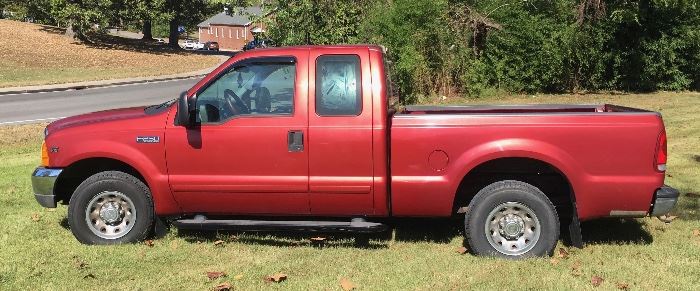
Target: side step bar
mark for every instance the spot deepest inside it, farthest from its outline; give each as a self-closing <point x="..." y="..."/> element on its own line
<point x="200" y="222"/>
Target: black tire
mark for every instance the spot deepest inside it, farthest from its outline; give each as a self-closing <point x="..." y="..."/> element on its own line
<point x="123" y="184"/>
<point x="502" y="198"/>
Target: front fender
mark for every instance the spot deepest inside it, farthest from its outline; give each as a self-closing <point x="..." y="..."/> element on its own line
<point x="147" y="159"/>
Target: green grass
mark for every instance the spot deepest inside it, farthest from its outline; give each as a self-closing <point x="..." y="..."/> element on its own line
<point x="645" y="254"/>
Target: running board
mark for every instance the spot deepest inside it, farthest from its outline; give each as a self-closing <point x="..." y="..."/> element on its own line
<point x="200" y="222"/>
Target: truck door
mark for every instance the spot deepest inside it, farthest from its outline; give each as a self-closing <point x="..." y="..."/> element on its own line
<point x="247" y="155"/>
<point x="340" y="132"/>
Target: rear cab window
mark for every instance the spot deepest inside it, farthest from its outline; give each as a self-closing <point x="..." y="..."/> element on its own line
<point x="338" y="85"/>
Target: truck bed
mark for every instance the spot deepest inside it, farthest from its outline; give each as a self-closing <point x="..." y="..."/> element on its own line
<point x="606" y="152"/>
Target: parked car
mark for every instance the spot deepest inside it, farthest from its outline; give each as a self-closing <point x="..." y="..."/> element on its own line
<point x="211" y="46"/>
<point x="313" y="131"/>
<point x="190" y="44"/>
<point x="258" y="43"/>
<point x="160" y="40"/>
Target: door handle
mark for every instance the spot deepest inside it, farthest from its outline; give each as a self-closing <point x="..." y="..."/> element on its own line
<point x="295" y="141"/>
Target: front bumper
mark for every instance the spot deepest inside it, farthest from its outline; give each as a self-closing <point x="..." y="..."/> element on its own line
<point x="665" y="200"/>
<point x="43" y="181"/>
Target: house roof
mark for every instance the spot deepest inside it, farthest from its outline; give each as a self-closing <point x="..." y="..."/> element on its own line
<point x="239" y="16"/>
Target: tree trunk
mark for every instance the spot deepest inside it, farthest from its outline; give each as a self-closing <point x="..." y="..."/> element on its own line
<point x="172" y="39"/>
<point x="147" y="32"/>
<point x="69" y="30"/>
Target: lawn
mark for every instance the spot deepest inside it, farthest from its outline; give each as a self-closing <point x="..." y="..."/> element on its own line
<point x="39" y="252"/>
<point x="33" y="54"/>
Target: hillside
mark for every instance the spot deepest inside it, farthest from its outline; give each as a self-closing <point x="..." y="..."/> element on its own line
<point x="33" y="54"/>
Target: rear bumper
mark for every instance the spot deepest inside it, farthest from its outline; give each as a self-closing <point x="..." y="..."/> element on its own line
<point x="43" y="181"/>
<point x="665" y="199"/>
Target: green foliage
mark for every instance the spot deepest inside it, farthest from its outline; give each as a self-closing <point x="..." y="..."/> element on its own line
<point x="453" y="47"/>
<point x="526" y="46"/>
<point x="317" y="21"/>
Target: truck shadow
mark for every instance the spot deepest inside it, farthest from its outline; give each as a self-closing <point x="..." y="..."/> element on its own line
<point x="440" y="231"/>
<point x="614" y="231"/>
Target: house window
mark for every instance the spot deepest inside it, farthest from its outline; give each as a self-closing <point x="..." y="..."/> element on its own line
<point x="229" y="33"/>
<point x="216" y="32"/>
<point x="209" y="32"/>
<point x="237" y="31"/>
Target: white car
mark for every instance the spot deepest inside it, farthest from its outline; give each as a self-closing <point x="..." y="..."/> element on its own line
<point x="189" y="44"/>
<point x="193" y="45"/>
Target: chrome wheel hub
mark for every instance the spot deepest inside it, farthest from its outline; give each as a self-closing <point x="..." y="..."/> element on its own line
<point x="512" y="228"/>
<point x="110" y="215"/>
<point x="110" y="212"/>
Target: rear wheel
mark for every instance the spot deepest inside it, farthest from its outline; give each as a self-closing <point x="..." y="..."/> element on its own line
<point x="111" y="208"/>
<point x="511" y="219"/>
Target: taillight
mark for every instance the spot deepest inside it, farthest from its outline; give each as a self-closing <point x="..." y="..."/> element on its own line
<point x="661" y="152"/>
<point x="44" y="155"/>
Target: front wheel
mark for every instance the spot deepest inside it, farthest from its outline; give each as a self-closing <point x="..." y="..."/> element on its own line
<point x="111" y="208"/>
<point x="511" y="219"/>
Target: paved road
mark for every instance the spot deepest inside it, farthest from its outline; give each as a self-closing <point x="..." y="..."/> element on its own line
<point x="41" y="107"/>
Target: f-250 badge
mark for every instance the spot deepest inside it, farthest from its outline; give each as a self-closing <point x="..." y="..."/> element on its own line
<point x="148" y="139"/>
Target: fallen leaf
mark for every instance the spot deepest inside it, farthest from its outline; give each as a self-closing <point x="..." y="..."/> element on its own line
<point x="576" y="269"/>
<point x="318" y="241"/>
<point x="218" y="242"/>
<point x="346" y="284"/>
<point x="554" y="261"/>
<point x="667" y="218"/>
<point x="462" y="250"/>
<point x="35" y="217"/>
<point x="279" y="277"/>
<point x="79" y="264"/>
<point x="696" y="232"/>
<point x="596" y="281"/>
<point x="215" y="275"/>
<point x="696" y="158"/>
<point x="238" y="277"/>
<point x="89" y="276"/>
<point x="563" y="253"/>
<point x="149" y="242"/>
<point x="622" y="286"/>
<point x="223" y="287"/>
<point x="692" y="195"/>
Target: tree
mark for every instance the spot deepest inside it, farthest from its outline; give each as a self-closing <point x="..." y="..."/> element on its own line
<point x="81" y="16"/>
<point x="185" y="13"/>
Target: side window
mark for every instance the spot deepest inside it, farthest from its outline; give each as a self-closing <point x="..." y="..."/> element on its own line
<point x="251" y="88"/>
<point x="338" y="85"/>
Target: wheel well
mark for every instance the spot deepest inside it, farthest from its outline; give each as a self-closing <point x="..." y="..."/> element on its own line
<point x="76" y="173"/>
<point x="542" y="175"/>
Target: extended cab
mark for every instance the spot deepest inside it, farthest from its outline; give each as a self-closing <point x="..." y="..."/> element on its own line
<point x="312" y="132"/>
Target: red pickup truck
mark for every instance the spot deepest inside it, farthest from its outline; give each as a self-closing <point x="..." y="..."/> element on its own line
<point x="312" y="133"/>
